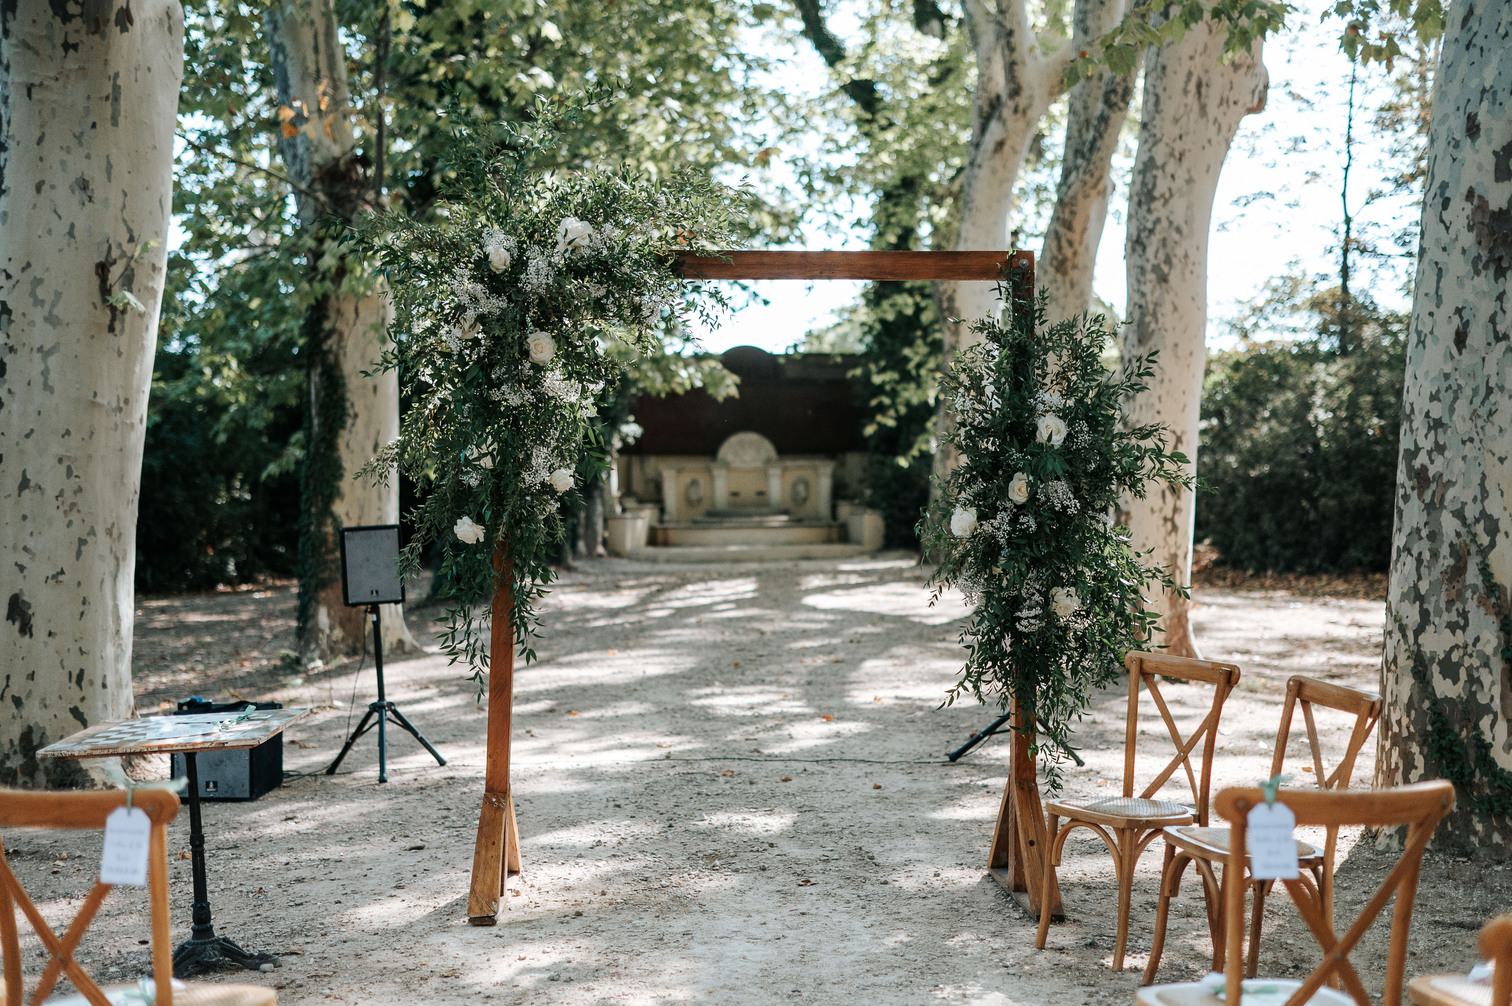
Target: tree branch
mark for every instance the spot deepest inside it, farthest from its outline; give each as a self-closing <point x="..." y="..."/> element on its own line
<point x="832" y="51"/>
<point x="250" y="166"/>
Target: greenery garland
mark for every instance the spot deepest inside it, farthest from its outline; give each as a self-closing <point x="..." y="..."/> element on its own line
<point x="512" y="316"/>
<point x="1024" y="526"/>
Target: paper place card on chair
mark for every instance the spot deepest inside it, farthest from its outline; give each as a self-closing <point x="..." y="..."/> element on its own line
<point x="124" y="859"/>
<point x="1271" y="836"/>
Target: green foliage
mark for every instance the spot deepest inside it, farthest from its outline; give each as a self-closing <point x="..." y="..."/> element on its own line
<point x="899" y="373"/>
<point x="216" y="499"/>
<point x="506" y="312"/>
<point x="1159" y="22"/>
<point x="1299" y="445"/>
<point x="1024" y="525"/>
<point x="233" y="351"/>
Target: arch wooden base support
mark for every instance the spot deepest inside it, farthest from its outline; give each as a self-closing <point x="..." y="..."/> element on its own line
<point x="496" y="856"/>
<point x="1018" y="859"/>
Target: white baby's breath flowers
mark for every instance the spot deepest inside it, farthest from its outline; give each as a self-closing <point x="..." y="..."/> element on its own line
<point x="542" y="348"/>
<point x="963" y="521"/>
<point x="574" y="236"/>
<point x="499" y="247"/>
<point x="561" y="480"/>
<point x="1018" y="489"/>
<point x="468" y="531"/>
<point x="1050" y="429"/>
<point x="1065" y="601"/>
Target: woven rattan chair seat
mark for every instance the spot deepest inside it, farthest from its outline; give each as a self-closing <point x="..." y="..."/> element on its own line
<point x="1123" y="811"/>
<point x="1212" y="844"/>
<point x="1448" y="990"/>
<point x="186" y="994"/>
<point x="1198" y="994"/>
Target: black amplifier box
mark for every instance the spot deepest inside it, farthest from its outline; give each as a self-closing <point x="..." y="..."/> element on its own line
<point x="242" y="774"/>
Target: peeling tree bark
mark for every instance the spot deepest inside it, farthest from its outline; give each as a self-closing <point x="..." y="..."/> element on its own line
<point x="1454" y="477"/>
<point x="1098" y="107"/>
<point x="88" y="104"/>
<point x="1192" y="108"/>
<point x="1015" y="85"/>
<point x="320" y="153"/>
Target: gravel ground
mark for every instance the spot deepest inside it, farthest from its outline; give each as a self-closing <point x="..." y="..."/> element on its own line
<point x="730" y="790"/>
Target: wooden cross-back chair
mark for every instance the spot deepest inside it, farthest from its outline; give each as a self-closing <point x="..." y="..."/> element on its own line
<point x="1419" y="807"/>
<point x="1458" y="990"/>
<point x="1128" y="824"/>
<point x="83" y="811"/>
<point x="1209" y="846"/>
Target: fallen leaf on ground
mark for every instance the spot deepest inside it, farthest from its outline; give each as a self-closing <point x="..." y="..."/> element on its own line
<point x="828" y="718"/>
<point x="573" y="712"/>
<point x="787" y="778"/>
<point x="728" y="771"/>
<point x="876" y="785"/>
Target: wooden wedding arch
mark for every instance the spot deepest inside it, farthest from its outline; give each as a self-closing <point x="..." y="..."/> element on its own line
<point x="1017" y="857"/>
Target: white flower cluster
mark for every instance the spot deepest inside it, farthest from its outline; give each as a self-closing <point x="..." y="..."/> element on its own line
<point x="542" y="464"/>
<point x="473" y="296"/>
<point x="539" y="273"/>
<point x="499" y="248"/>
<point x="1057" y="495"/>
<point x="575" y="237"/>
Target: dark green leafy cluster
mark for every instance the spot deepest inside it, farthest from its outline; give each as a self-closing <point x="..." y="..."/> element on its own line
<point x="1300" y="445"/>
<point x="1024" y="526"/>
<point x="513" y="315"/>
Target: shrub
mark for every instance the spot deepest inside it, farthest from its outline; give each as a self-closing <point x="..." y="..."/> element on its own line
<point x="1299" y="443"/>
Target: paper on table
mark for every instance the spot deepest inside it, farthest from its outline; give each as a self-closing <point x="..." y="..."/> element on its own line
<point x="1272" y="842"/>
<point x="124" y="859"/>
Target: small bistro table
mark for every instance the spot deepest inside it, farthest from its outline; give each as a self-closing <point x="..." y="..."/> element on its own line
<point x="186" y="735"/>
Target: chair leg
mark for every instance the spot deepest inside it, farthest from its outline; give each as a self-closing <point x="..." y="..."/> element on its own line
<point x="1170" y="885"/>
<point x="1219" y="928"/>
<point x="1257" y="915"/>
<point x="1049" y="862"/>
<point x="1128" y="846"/>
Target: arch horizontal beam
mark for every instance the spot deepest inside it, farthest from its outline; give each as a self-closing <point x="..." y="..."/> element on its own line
<point x="866" y="265"/>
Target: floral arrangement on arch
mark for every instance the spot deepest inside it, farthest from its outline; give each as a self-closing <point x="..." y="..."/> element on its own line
<point x="513" y="312"/>
<point x="1024" y="526"/>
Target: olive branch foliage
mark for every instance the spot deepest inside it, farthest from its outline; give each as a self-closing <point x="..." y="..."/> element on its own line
<point x="1024" y="525"/>
<point x="492" y="434"/>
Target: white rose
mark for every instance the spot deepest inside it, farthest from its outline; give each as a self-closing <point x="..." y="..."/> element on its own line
<point x="1018" y="488"/>
<point x="1050" y="429"/>
<point x="574" y="235"/>
<point x="542" y="348"/>
<point x="963" y="521"/>
<point x="467" y="531"/>
<point x="1065" y="601"/>
<point x="498" y="258"/>
<point x="561" y="480"/>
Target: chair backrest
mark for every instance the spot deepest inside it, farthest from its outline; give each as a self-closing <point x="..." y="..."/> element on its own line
<point x="1305" y="692"/>
<point x="1496" y="947"/>
<point x="1420" y="807"/>
<point x="76" y="811"/>
<point x="1144" y="669"/>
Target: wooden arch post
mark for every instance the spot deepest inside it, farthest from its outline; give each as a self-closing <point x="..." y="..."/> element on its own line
<point x="497" y="853"/>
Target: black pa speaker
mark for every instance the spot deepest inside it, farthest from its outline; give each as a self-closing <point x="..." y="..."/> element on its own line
<point x="369" y="560"/>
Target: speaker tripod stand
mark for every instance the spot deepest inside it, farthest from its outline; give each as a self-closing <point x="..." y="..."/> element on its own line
<point x="381" y="713"/>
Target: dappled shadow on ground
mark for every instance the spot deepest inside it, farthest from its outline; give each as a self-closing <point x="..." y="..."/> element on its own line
<point x="730" y="787"/>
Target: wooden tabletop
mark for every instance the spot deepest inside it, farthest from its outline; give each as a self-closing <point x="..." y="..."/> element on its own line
<point x="162" y="734"/>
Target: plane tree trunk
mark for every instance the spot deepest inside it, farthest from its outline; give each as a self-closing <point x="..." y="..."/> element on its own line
<point x="1446" y="676"/>
<point x="351" y="416"/>
<point x="1193" y="105"/>
<point x="88" y="104"/>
